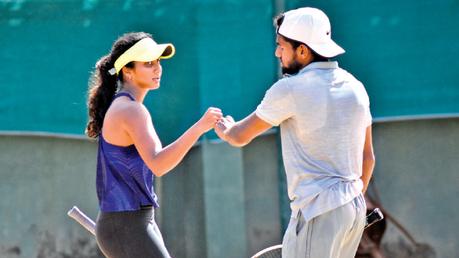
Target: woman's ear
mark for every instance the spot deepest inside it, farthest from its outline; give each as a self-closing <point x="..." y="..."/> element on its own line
<point x="127" y="73"/>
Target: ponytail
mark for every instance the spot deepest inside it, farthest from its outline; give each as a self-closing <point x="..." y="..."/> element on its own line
<point x="102" y="88"/>
<point x="103" y="85"/>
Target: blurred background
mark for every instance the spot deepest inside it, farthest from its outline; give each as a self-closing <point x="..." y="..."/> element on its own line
<point x="223" y="202"/>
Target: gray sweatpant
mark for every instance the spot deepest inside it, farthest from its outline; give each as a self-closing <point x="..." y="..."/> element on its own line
<point x="335" y="234"/>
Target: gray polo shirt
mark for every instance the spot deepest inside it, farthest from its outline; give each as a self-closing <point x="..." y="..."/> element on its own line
<point x="323" y="113"/>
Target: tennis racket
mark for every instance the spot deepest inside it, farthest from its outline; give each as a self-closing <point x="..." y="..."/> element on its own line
<point x="83" y="219"/>
<point x="276" y="251"/>
<point x="270" y="252"/>
<point x="375" y="216"/>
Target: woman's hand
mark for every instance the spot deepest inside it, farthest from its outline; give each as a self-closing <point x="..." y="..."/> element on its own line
<point x="209" y="119"/>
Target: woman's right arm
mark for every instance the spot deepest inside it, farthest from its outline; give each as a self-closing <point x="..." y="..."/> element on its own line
<point x="139" y="126"/>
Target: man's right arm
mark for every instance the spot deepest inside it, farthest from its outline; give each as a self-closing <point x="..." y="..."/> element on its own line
<point x="240" y="133"/>
<point x="276" y="106"/>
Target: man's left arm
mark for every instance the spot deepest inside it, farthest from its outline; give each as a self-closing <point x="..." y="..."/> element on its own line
<point x="368" y="159"/>
<point x="242" y="132"/>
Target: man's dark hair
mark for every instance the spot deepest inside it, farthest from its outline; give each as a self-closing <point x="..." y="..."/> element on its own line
<point x="295" y="43"/>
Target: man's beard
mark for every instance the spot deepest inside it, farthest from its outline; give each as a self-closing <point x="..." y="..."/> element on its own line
<point x="293" y="68"/>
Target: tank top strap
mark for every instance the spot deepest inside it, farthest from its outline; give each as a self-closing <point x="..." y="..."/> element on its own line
<point x="126" y="94"/>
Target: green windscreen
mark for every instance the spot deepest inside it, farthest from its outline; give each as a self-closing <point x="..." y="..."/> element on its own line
<point x="404" y="52"/>
<point x="49" y="48"/>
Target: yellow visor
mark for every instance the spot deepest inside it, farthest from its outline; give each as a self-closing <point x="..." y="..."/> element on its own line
<point x="145" y="50"/>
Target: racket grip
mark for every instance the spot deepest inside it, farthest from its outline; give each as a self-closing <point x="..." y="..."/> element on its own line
<point x="375" y="216"/>
<point x="81" y="218"/>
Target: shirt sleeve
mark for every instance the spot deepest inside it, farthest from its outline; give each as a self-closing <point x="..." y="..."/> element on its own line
<point x="277" y="104"/>
<point x="368" y="117"/>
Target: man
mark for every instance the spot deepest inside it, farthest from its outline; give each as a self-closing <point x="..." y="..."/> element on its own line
<point x="325" y="123"/>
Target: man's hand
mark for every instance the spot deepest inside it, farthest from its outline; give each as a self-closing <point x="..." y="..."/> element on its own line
<point x="223" y="125"/>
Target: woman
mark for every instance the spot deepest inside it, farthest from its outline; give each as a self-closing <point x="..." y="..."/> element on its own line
<point x="130" y="151"/>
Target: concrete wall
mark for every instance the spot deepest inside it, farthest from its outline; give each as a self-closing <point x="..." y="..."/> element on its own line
<point x="219" y="202"/>
<point x="224" y="202"/>
<point x="41" y="178"/>
<point x="417" y="175"/>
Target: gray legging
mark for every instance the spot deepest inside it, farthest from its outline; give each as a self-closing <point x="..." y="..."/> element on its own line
<point x="130" y="234"/>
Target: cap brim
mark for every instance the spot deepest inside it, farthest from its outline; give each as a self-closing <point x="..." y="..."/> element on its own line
<point x="160" y="51"/>
<point x="329" y="49"/>
<point x="168" y="50"/>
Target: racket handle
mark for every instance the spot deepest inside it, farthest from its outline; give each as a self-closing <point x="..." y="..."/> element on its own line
<point x="81" y="218"/>
<point x="375" y="216"/>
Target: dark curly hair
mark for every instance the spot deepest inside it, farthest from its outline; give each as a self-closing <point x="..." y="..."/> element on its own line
<point x="103" y="85"/>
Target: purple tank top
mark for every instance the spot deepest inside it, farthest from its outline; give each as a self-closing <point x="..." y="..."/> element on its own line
<point x="124" y="182"/>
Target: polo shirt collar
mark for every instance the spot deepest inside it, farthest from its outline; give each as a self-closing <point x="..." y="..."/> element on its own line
<point x="316" y="65"/>
<point x="320" y="65"/>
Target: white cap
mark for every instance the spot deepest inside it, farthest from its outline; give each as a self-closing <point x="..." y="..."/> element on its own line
<point x="311" y="27"/>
